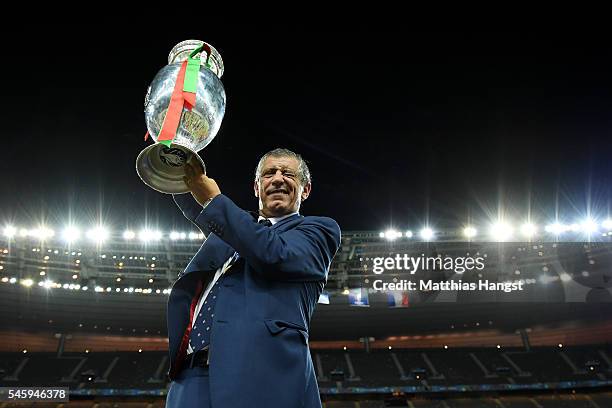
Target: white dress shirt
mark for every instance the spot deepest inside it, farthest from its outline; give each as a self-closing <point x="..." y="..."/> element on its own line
<point x="221" y="271"/>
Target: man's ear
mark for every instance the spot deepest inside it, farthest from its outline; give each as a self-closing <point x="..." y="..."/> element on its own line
<point x="306" y="191"/>
<point x="256" y="188"/>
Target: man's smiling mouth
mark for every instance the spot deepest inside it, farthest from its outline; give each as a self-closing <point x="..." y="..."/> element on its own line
<point x="279" y="191"/>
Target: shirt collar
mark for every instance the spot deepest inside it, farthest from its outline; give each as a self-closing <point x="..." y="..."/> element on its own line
<point x="274" y="220"/>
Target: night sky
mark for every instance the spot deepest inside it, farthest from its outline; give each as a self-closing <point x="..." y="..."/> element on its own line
<point x="399" y="129"/>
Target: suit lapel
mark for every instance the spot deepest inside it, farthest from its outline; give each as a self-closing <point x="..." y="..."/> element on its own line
<point x="286" y="223"/>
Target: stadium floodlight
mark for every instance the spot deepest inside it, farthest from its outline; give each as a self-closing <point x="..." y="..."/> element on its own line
<point x="10" y="231"/>
<point x="588" y="226"/>
<point x="193" y="235"/>
<point x="145" y="235"/>
<point x="129" y="234"/>
<point x="149" y="235"/>
<point x="175" y="235"/>
<point x="607" y="224"/>
<point x="408" y="234"/>
<point x="501" y="231"/>
<point x="71" y="234"/>
<point x="469" y="232"/>
<point x="381" y="234"/>
<point x="12" y="280"/>
<point x="427" y="233"/>
<point x="98" y="234"/>
<point x="565" y="277"/>
<point x="528" y="230"/>
<point x="556" y="228"/>
<point x="42" y="233"/>
<point x="27" y="282"/>
<point x="392" y="235"/>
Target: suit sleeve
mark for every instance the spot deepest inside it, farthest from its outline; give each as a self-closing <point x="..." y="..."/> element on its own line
<point x="189" y="206"/>
<point x="303" y="253"/>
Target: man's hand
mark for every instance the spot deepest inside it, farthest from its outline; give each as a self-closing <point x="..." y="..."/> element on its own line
<point x="202" y="188"/>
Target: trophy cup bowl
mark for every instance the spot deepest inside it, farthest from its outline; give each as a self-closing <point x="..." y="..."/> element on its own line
<point x="162" y="167"/>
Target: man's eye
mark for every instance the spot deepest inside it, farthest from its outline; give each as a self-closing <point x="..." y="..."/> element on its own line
<point x="289" y="174"/>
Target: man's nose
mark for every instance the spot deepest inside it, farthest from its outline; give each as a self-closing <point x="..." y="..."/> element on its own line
<point x="278" y="178"/>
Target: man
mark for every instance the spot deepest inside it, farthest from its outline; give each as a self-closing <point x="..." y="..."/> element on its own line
<point x="239" y="314"/>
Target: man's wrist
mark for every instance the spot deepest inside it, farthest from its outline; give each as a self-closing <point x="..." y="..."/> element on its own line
<point x="206" y="203"/>
<point x="209" y="201"/>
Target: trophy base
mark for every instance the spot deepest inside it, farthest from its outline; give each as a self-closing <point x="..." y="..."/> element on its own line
<point x="162" y="168"/>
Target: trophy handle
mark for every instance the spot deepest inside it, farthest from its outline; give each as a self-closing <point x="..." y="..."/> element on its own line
<point x="203" y="47"/>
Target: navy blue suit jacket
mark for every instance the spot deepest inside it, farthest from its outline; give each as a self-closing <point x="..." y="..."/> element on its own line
<point x="259" y="355"/>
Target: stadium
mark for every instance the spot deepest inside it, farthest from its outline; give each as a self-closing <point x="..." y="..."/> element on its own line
<point x="545" y="347"/>
<point x="463" y="177"/>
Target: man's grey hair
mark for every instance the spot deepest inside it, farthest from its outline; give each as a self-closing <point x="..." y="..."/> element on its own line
<point x="303" y="171"/>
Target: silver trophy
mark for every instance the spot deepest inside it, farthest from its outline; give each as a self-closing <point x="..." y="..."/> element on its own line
<point x="159" y="166"/>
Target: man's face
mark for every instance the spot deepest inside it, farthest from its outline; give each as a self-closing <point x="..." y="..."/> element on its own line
<point x="279" y="188"/>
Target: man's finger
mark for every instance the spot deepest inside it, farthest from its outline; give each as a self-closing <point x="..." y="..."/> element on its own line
<point x="189" y="170"/>
<point x="195" y="164"/>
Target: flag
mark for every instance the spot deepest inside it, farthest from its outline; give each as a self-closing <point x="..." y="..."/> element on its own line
<point x="397" y="299"/>
<point x="358" y="297"/>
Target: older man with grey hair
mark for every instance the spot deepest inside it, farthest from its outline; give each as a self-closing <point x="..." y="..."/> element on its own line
<point x="239" y="315"/>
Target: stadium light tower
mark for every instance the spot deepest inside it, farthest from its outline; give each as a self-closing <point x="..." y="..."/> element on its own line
<point x="588" y="226"/>
<point x="10" y="231"/>
<point x="71" y="234"/>
<point x="127" y="235"/>
<point x="556" y="228"/>
<point x="98" y="234"/>
<point x="42" y="233"/>
<point x="469" y="232"/>
<point x="149" y="235"/>
<point x="501" y="231"/>
<point x="528" y="230"/>
<point x="427" y="234"/>
<point x="392" y="235"/>
<point x="607" y="224"/>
